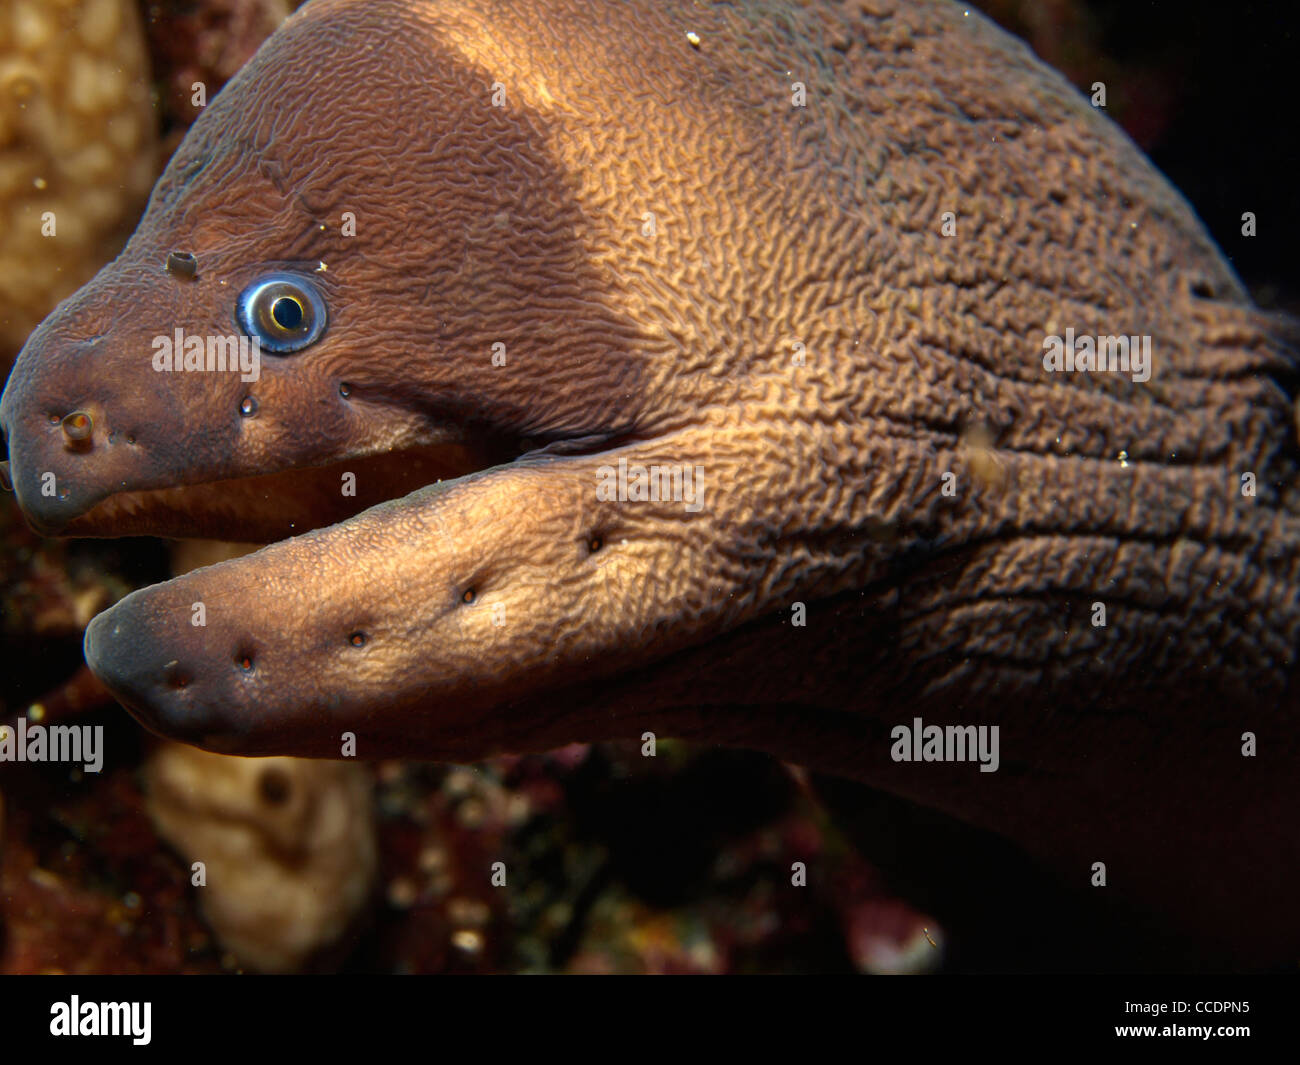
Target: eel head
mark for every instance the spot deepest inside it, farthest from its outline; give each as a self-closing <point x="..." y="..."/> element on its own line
<point x="409" y="263"/>
<point x="346" y="290"/>
<point x="381" y="277"/>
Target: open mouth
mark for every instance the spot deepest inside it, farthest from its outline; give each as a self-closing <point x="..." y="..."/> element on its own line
<point x="269" y="507"/>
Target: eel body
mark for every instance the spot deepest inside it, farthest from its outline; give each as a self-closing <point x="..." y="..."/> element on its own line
<point x="799" y="264"/>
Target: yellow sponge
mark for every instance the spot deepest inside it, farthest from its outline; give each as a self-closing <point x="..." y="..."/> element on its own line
<point x="77" y="149"/>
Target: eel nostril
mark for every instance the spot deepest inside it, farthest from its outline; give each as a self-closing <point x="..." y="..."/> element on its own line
<point x="176" y="676"/>
<point x="78" y="429"/>
<point x="182" y="264"/>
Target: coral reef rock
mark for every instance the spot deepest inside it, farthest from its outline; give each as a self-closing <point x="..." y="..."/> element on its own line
<point x="77" y="149"/>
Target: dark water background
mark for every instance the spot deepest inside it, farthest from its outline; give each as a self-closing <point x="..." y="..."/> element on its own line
<point x="1208" y="91"/>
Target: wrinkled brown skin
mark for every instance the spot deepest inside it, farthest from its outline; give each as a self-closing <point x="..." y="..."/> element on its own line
<point x="773" y="225"/>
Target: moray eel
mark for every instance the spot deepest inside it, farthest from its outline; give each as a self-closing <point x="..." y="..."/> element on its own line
<point x="508" y="259"/>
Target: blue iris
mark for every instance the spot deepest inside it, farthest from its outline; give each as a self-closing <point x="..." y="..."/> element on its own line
<point x="285" y="313"/>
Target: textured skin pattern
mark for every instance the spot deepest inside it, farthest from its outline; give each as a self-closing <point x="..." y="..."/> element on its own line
<point x="686" y="269"/>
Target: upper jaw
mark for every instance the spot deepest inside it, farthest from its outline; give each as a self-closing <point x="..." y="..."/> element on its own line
<point x="263" y="507"/>
<point x="162" y="461"/>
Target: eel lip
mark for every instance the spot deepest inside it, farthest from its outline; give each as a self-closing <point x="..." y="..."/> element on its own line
<point x="48" y="522"/>
<point x="263" y="507"/>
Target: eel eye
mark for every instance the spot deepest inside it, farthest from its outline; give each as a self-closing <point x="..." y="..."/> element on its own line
<point x="284" y="313"/>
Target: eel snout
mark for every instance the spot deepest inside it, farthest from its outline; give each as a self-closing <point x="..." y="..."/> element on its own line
<point x="76" y="419"/>
<point x="205" y="660"/>
<point x="168" y="682"/>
